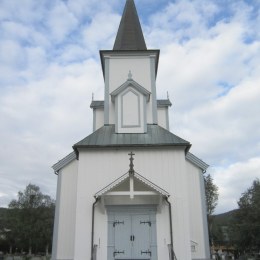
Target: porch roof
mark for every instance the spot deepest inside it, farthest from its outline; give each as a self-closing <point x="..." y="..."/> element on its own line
<point x="136" y="176"/>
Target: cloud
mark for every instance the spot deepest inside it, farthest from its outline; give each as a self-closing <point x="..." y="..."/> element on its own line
<point x="220" y="127"/>
<point x="180" y="21"/>
<point x="92" y="36"/>
<point x="12" y="54"/>
<point x="214" y="85"/>
<point x="211" y="71"/>
<point x="61" y="22"/>
<point x="42" y="120"/>
<point x="234" y="180"/>
<point x="50" y="67"/>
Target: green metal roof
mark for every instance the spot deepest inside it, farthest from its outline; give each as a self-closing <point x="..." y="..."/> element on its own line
<point x="160" y="103"/>
<point x="164" y="103"/>
<point x="97" y="104"/>
<point x="105" y="137"/>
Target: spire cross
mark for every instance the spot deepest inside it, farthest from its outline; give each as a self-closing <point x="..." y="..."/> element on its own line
<point x="131" y="165"/>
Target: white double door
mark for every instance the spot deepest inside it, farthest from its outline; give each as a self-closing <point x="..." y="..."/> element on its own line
<point x="132" y="236"/>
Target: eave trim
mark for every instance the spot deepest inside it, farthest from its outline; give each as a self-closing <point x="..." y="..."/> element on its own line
<point x="195" y="160"/>
<point x="126" y="176"/>
<point x="65" y="161"/>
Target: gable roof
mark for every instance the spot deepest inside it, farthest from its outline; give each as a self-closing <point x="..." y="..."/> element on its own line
<point x="129" y="35"/>
<point x="156" y="136"/>
<point x="130" y="83"/>
<point x="137" y="176"/>
<point x="72" y="156"/>
<point x="195" y="160"/>
<point x="64" y="161"/>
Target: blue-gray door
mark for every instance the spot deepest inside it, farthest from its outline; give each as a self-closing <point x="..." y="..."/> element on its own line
<point x="132" y="235"/>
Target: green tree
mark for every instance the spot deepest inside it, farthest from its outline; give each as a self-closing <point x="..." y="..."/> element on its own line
<point x="4" y="244"/>
<point x="31" y="219"/>
<point x="211" y="191"/>
<point x="246" y="228"/>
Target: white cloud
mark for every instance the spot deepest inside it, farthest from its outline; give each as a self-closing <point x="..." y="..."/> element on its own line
<point x="213" y="81"/>
<point x="180" y="21"/>
<point x="11" y="53"/>
<point x="234" y="180"/>
<point x="214" y="85"/>
<point x="61" y="22"/>
<point x="226" y="124"/>
<point x="84" y="10"/>
<point x="49" y="68"/>
<point x="96" y="38"/>
<point x="42" y="120"/>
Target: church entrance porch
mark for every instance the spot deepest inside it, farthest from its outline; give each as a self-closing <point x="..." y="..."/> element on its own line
<point x="132" y="233"/>
<point x="131" y="205"/>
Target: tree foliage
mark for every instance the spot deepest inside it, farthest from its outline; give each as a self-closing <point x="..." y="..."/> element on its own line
<point x="211" y="191"/>
<point x="246" y="226"/>
<point x="30" y="219"/>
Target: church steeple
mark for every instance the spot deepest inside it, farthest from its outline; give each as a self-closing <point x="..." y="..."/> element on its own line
<point x="130" y="103"/>
<point x="129" y="35"/>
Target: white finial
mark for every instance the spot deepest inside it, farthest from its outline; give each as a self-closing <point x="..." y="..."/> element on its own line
<point x="92" y="96"/>
<point x="167" y="95"/>
<point x="130" y="74"/>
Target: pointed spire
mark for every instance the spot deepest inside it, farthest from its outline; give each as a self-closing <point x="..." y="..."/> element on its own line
<point x="130" y="35"/>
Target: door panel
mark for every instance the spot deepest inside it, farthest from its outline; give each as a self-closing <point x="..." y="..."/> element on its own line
<point x="141" y="226"/>
<point x="122" y="226"/>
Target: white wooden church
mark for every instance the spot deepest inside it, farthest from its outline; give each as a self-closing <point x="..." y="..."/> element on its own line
<point x="130" y="190"/>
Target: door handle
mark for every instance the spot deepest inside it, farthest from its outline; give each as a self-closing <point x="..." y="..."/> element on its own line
<point x="132" y="238"/>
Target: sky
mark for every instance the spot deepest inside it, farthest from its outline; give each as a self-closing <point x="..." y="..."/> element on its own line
<point x="50" y="69"/>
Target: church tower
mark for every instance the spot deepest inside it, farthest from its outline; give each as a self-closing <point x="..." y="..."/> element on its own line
<point x="131" y="189"/>
<point x="129" y="72"/>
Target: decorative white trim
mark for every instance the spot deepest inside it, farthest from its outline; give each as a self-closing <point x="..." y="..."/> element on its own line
<point x="153" y="85"/>
<point x="131" y="193"/>
<point x="108" y="189"/>
<point x="123" y="108"/>
<point x="56" y="220"/>
<point x="63" y="162"/>
<point x="134" y="85"/>
<point x="94" y="119"/>
<point x="167" y="119"/>
<point x="106" y="102"/>
<point x="195" y="160"/>
<point x="151" y="185"/>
